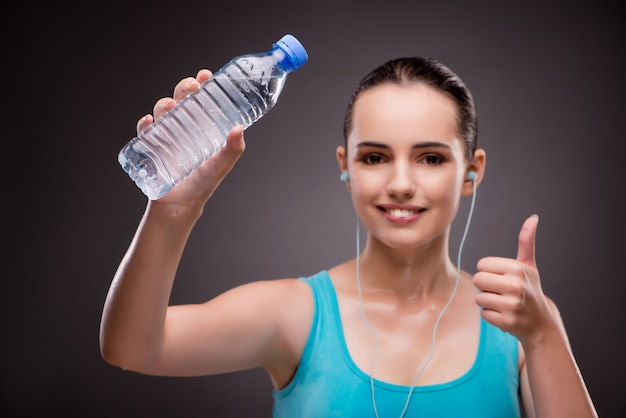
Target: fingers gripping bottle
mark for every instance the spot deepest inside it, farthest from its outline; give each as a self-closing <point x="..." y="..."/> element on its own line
<point x="239" y="93"/>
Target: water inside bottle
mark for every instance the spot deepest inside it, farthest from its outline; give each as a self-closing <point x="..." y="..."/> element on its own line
<point x="169" y="149"/>
<point x="145" y="169"/>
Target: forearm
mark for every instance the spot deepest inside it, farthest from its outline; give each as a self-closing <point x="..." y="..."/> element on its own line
<point x="136" y="305"/>
<point x="557" y="386"/>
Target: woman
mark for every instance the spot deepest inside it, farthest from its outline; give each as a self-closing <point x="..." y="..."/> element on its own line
<point x="396" y="331"/>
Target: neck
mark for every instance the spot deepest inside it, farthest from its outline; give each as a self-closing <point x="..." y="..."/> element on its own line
<point x="414" y="273"/>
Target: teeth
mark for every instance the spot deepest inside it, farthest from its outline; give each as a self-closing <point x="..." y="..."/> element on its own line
<point x="401" y="213"/>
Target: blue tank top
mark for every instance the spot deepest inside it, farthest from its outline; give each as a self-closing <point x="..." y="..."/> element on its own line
<point x="328" y="383"/>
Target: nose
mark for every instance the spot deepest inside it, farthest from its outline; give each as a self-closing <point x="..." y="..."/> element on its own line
<point x="401" y="184"/>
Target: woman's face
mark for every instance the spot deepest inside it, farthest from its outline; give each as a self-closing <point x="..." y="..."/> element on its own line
<point x="406" y="163"/>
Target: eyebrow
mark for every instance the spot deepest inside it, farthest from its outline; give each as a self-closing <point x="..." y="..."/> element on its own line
<point x="419" y="145"/>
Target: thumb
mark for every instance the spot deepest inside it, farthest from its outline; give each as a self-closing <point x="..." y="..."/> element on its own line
<point x="526" y="241"/>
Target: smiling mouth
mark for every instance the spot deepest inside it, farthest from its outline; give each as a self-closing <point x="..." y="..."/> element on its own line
<point x="401" y="213"/>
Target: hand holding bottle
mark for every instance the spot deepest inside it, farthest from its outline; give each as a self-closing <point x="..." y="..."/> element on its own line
<point x="196" y="127"/>
<point x="198" y="187"/>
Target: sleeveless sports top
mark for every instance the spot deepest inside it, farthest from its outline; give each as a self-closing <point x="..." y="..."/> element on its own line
<point x="328" y="383"/>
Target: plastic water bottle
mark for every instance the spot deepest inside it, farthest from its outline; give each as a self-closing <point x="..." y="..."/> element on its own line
<point x="239" y="93"/>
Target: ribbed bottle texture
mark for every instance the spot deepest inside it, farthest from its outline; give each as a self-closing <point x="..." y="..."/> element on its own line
<point x="239" y="93"/>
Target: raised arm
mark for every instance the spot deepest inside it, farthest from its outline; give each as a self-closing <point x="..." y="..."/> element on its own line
<point x="259" y="324"/>
<point x="512" y="299"/>
<point x="135" y="311"/>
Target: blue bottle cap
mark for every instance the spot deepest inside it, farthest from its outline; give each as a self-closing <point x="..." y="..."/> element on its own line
<point x="294" y="49"/>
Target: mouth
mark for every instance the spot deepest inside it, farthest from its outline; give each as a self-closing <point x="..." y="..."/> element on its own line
<point x="401" y="212"/>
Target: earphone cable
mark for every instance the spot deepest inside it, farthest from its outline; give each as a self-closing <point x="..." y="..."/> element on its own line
<point x="443" y="310"/>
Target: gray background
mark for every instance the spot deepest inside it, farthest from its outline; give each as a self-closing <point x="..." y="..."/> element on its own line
<point x="548" y="79"/>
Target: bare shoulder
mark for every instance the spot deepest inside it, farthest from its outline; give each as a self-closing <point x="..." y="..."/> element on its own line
<point x="287" y="300"/>
<point x="286" y="293"/>
<point x="294" y="299"/>
<point x="297" y="312"/>
<point x="287" y="290"/>
<point x="290" y="302"/>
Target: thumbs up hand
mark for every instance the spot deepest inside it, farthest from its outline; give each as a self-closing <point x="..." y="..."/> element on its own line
<point x="511" y="295"/>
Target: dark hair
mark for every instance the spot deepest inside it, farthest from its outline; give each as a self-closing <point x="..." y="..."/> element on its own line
<point x="434" y="74"/>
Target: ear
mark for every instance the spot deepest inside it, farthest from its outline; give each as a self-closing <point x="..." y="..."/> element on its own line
<point x="477" y="165"/>
<point x="341" y="159"/>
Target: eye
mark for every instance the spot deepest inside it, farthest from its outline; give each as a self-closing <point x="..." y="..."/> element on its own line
<point x="372" y="159"/>
<point x="432" y="159"/>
